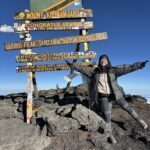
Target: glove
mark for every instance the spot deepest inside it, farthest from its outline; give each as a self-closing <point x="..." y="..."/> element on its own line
<point x="68" y="63"/>
<point x="142" y="65"/>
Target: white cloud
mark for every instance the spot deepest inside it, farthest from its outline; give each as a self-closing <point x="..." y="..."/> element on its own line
<point x="5" y="28"/>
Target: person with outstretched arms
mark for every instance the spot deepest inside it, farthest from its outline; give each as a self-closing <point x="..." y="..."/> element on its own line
<point x="106" y="88"/>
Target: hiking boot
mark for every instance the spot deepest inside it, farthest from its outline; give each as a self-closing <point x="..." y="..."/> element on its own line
<point x="143" y="124"/>
<point x="111" y="139"/>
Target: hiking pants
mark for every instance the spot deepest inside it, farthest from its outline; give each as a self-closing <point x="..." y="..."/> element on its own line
<point x="105" y="106"/>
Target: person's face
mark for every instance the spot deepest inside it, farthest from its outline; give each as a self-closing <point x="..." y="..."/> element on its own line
<point x="104" y="61"/>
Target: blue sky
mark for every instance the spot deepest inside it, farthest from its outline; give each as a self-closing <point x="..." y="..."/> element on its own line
<point x="127" y="24"/>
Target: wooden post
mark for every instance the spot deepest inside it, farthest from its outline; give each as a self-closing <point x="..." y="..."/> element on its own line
<point x="36" y="93"/>
<point x="33" y="74"/>
<point x="86" y="45"/>
<point x="29" y="88"/>
<point x="28" y="114"/>
<point x="86" y="48"/>
<point x="29" y="84"/>
<point x="29" y="98"/>
<point x="84" y="32"/>
<point x="69" y="83"/>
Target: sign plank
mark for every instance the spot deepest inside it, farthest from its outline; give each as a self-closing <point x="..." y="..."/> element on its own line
<point x="62" y="14"/>
<point x="55" y="41"/>
<point x="44" y="26"/>
<point x="50" y="5"/>
<point x="48" y="67"/>
<point x="55" y="56"/>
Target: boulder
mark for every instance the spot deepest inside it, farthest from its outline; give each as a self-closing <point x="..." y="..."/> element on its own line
<point x="15" y="95"/>
<point x="16" y="134"/>
<point x="55" y="123"/>
<point x="81" y="90"/>
<point x="8" y="111"/>
<point x="86" y="118"/>
<point x="58" y="125"/>
<point x="18" y="100"/>
<point x="2" y="97"/>
<point x="133" y="98"/>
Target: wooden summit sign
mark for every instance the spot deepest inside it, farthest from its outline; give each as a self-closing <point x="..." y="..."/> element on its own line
<point x="63" y="14"/>
<point x="50" y="5"/>
<point x="43" y="26"/>
<point x="55" y="56"/>
<point x="49" y="67"/>
<point x="55" y="41"/>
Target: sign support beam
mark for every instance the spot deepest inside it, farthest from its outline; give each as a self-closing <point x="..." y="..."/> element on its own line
<point x="86" y="48"/>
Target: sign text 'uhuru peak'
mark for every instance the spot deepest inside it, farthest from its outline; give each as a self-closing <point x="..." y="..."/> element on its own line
<point x="55" y="41"/>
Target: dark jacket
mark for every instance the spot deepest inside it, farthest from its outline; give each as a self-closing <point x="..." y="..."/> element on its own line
<point x="113" y="74"/>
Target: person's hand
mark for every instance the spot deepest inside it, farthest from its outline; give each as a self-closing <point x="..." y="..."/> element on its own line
<point x="68" y="63"/>
<point x="144" y="63"/>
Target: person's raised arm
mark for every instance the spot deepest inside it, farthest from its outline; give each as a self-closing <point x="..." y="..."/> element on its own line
<point x="125" y="69"/>
<point x="87" y="71"/>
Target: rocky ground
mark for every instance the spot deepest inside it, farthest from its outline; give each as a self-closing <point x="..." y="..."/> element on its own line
<point x="65" y="122"/>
